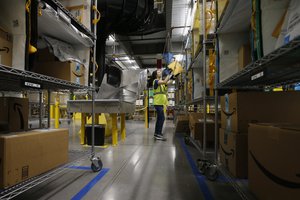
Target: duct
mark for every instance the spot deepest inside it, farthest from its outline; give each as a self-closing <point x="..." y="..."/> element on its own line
<point x="129" y="84"/>
<point x="61" y="27"/>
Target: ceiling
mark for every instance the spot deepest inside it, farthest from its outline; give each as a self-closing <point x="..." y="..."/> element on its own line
<point x="143" y="51"/>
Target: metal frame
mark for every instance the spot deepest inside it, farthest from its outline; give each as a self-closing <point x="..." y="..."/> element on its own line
<point x="16" y="75"/>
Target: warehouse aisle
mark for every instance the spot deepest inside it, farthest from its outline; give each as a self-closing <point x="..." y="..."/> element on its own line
<point x="139" y="168"/>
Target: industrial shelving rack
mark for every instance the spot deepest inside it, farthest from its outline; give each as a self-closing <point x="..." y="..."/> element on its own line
<point x="278" y="68"/>
<point x="21" y="80"/>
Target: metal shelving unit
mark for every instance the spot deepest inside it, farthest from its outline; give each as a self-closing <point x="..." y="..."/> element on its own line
<point x="56" y="5"/>
<point x="16" y="80"/>
<point x="197" y="61"/>
<point x="200" y="100"/>
<point x="20" y="80"/>
<point x="281" y="67"/>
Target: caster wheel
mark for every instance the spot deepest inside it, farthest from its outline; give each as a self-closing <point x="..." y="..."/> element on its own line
<point x="187" y="140"/>
<point x="201" y="165"/>
<point x="97" y="168"/>
<point x="212" y="173"/>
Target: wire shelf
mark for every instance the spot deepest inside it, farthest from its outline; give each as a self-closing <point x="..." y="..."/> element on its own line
<point x="13" y="80"/>
<point x="281" y="67"/>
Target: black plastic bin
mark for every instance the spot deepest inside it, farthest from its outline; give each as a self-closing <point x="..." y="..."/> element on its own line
<point x="99" y="134"/>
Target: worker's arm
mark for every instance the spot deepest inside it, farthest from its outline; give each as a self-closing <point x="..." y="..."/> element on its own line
<point x="165" y="81"/>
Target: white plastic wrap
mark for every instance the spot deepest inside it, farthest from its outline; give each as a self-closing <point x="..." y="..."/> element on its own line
<point x="63" y="51"/>
<point x="57" y="25"/>
<point x="237" y="17"/>
<point x="198" y="83"/>
<point x="272" y="12"/>
<point x="12" y="19"/>
<point x="229" y="46"/>
<point x="293" y="26"/>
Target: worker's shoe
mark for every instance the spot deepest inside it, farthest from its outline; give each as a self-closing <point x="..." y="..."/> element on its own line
<point x="160" y="137"/>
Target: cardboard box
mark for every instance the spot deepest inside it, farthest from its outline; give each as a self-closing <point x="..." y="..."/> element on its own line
<point x="234" y="152"/>
<point x="6" y="44"/>
<point x="43" y="55"/>
<point x="25" y="155"/>
<point x="13" y="114"/>
<point x="196" y="128"/>
<point x="244" y="56"/>
<point x="274" y="163"/>
<point x="182" y="124"/>
<point x="69" y="71"/>
<point x="240" y="109"/>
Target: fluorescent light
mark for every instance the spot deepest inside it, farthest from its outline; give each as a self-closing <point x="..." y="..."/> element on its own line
<point x="111" y="38"/>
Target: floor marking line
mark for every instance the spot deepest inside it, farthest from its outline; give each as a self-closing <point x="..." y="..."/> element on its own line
<point x="90" y="185"/>
<point x="200" y="178"/>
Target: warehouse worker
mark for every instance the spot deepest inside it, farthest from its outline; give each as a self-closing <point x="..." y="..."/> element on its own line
<point x="160" y="100"/>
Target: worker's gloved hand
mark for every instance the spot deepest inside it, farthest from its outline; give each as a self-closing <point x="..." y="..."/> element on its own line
<point x="166" y="72"/>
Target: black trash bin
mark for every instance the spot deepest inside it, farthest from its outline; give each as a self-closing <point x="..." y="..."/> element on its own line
<point x="99" y="134"/>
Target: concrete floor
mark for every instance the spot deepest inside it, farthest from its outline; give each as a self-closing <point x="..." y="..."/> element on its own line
<point x="138" y="169"/>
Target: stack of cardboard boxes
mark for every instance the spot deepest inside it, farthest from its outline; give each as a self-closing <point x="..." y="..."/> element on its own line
<point x="48" y="64"/>
<point x="274" y="164"/>
<point x="240" y="109"/>
<point x="182" y="123"/>
<point x="25" y="154"/>
<point x="196" y="128"/>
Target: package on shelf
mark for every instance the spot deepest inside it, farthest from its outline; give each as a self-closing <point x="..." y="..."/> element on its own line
<point x="13" y="21"/>
<point x="28" y="154"/>
<point x="80" y="9"/>
<point x="234" y="152"/>
<point x="229" y="52"/>
<point x="293" y="28"/>
<point x="272" y="12"/>
<point x="244" y="56"/>
<point x="6" y="45"/>
<point x="241" y="108"/>
<point x="69" y="71"/>
<point x="196" y="128"/>
<point x="13" y="114"/>
<point x="273" y="163"/>
<point x="182" y="123"/>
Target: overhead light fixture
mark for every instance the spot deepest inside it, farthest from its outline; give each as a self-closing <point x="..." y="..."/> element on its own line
<point x="111" y="38"/>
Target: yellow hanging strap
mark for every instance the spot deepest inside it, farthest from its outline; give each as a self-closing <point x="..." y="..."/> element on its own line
<point x="95" y="21"/>
<point x="212" y="71"/>
<point x="27" y="6"/>
<point x="211" y="12"/>
<point x="31" y="48"/>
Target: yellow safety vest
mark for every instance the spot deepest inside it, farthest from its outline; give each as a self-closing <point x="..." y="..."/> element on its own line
<point x="160" y="95"/>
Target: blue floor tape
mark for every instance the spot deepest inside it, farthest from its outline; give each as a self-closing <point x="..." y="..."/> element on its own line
<point x="90" y="185"/>
<point x="200" y="178"/>
<point x="80" y="167"/>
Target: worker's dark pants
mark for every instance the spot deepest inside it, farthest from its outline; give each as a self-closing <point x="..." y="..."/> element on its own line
<point x="160" y="119"/>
